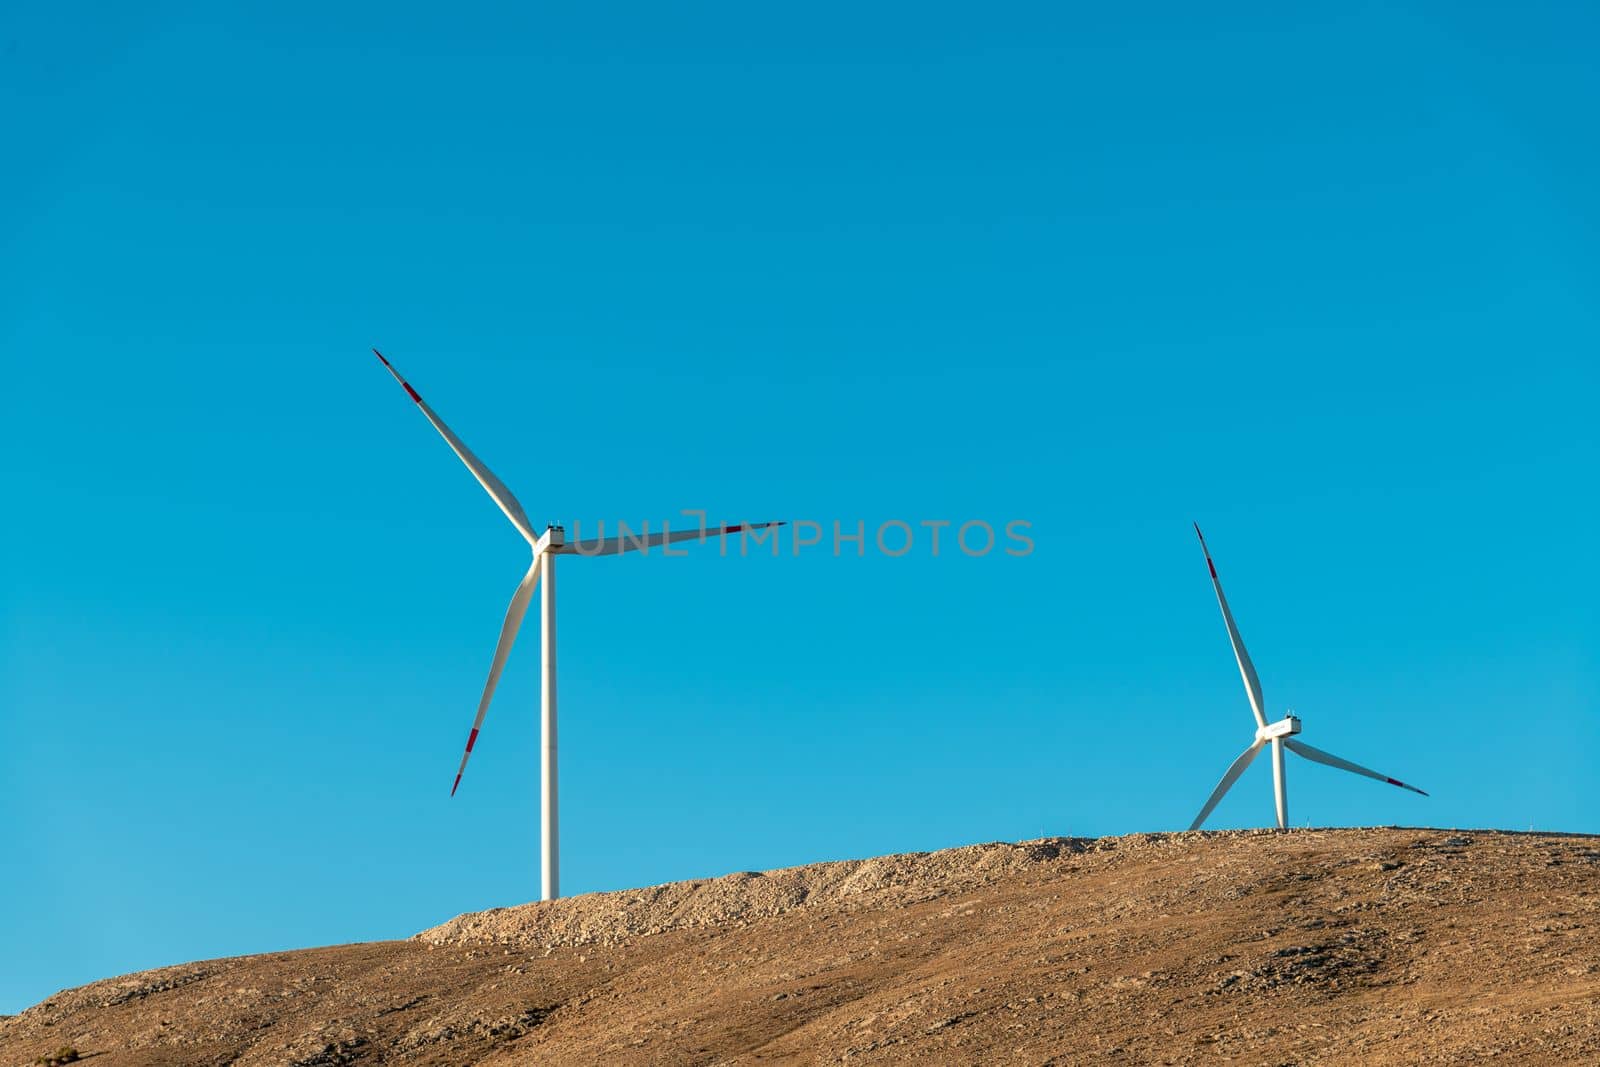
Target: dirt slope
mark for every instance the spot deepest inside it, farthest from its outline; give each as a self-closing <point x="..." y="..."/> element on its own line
<point x="1342" y="946"/>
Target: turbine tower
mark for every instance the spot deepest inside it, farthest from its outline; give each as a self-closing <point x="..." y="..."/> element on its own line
<point x="1280" y="734"/>
<point x="546" y="546"/>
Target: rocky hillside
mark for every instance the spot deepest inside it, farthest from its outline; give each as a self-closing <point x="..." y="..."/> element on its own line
<point x="1340" y="946"/>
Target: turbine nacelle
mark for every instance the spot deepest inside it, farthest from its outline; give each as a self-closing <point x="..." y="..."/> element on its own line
<point x="1284" y="727"/>
<point x="552" y="540"/>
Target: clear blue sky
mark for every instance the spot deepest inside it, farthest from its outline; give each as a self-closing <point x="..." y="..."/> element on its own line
<point x="1325" y="282"/>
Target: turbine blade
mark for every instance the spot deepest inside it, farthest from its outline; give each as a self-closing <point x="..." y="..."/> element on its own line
<point x="1227" y="782"/>
<point x="615" y="546"/>
<point x="1316" y="755"/>
<point x="508" y="636"/>
<point x="1247" y="670"/>
<point x="493" y="486"/>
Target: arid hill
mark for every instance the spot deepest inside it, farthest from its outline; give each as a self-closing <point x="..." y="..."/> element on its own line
<point x="1339" y="946"/>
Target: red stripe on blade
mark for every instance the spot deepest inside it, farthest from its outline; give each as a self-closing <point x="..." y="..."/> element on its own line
<point x="412" y="391"/>
<point x="453" y="788"/>
<point x="472" y="738"/>
<point x="1213" y="566"/>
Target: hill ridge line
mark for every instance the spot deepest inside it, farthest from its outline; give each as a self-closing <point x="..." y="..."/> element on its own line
<point x="610" y="917"/>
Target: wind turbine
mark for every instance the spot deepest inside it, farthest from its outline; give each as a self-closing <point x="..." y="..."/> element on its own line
<point x="1279" y="734"/>
<point x="546" y="547"/>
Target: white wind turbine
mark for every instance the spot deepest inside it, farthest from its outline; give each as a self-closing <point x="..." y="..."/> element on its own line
<point x="1280" y="734"/>
<point x="546" y="547"/>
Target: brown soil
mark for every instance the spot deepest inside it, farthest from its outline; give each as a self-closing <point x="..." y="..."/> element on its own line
<point x="1340" y="946"/>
